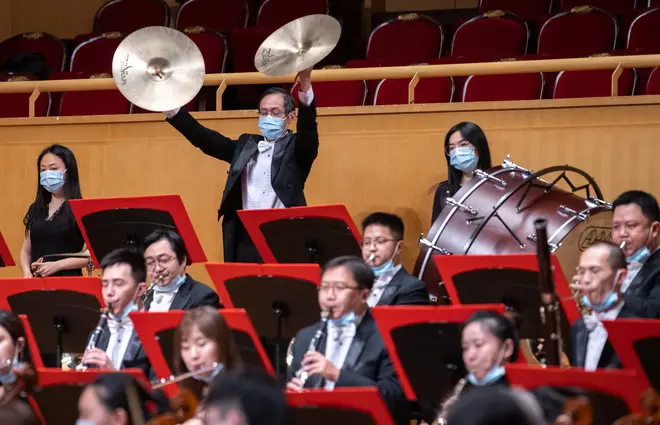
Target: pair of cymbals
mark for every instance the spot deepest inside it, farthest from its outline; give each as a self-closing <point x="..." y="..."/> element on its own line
<point x="160" y="68"/>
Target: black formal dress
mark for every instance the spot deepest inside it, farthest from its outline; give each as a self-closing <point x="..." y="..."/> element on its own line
<point x="58" y="234"/>
<point x="442" y="192"/>
<point x="643" y="295"/>
<point x="367" y="364"/>
<point x="191" y="294"/>
<point x="293" y="157"/>
<point x="404" y="289"/>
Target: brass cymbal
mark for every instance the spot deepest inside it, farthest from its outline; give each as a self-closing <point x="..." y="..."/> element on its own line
<point x="298" y="45"/>
<point x="158" y="68"/>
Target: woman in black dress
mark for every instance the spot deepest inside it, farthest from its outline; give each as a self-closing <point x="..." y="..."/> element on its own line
<point x="50" y="227"/>
<point x="466" y="149"/>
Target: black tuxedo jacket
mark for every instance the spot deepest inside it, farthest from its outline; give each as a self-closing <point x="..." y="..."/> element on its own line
<point x="580" y="338"/>
<point x="405" y="289"/>
<point x="135" y="356"/>
<point x="191" y="294"/>
<point x="367" y="364"/>
<point x="643" y="295"/>
<point x="293" y="157"/>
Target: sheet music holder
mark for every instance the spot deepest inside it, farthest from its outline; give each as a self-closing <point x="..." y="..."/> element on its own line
<point x="302" y="234"/>
<point x="32" y="345"/>
<point x="56" y="396"/>
<point x="62" y="311"/>
<point x="281" y="299"/>
<point x="156" y="331"/>
<point x="509" y="279"/>
<point x="637" y="344"/>
<point x="354" y="406"/>
<point x="424" y="344"/>
<point x="613" y="393"/>
<point x="110" y="223"/>
<point x="6" y="259"/>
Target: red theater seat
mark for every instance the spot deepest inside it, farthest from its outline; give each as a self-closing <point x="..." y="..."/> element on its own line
<point x="410" y="38"/>
<point x="51" y="47"/>
<point x="613" y="6"/>
<point x="213" y="46"/>
<point x="279" y="12"/>
<point x="653" y="84"/>
<point x="583" y="31"/>
<point x="222" y="16"/>
<point x="644" y="32"/>
<point x="95" y="55"/>
<point x="17" y="105"/>
<point x="337" y="93"/>
<point x="488" y="88"/>
<point x="573" y="84"/>
<point x="495" y="34"/>
<point x="101" y="102"/>
<point x="526" y="9"/>
<point x="428" y="90"/>
<point x="127" y="16"/>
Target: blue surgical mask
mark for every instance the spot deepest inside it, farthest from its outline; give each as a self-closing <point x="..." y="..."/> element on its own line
<point x="208" y="379"/>
<point x="463" y="159"/>
<point x="385" y="267"/>
<point x="128" y="309"/>
<point x="344" y="320"/>
<point x="271" y="127"/>
<point x="495" y="373"/>
<point x="640" y="256"/>
<point x="611" y="300"/>
<point x="52" y="180"/>
<point x="173" y="285"/>
<point x="84" y="422"/>
<point x="10" y="377"/>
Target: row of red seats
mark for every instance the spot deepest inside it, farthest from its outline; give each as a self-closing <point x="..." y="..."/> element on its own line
<point x="529" y="9"/>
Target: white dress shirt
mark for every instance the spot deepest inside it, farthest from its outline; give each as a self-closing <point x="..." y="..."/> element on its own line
<point x="379" y="286"/>
<point x="120" y="336"/>
<point x="597" y="335"/>
<point x="163" y="297"/>
<point x="339" y="341"/>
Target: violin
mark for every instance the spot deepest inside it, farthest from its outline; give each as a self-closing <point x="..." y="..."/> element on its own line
<point x="650" y="403"/>
<point x="184" y="406"/>
<point x="25" y="379"/>
<point x="576" y="411"/>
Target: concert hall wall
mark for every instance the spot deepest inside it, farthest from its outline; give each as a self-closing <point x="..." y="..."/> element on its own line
<point x="371" y="158"/>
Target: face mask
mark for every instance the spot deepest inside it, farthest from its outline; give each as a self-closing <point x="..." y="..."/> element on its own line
<point x="344" y="320"/>
<point x="493" y="375"/>
<point x="640" y="256"/>
<point x="173" y="285"/>
<point x="271" y="127"/>
<point x="611" y="299"/>
<point x="10" y="377"/>
<point x="463" y="159"/>
<point x="385" y="267"/>
<point x="128" y="309"/>
<point x="84" y="422"/>
<point x="52" y="180"/>
<point x="211" y="377"/>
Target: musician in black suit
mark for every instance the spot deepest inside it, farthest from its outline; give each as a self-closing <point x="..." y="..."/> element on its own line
<point x="173" y="288"/>
<point x="382" y="242"/>
<point x="267" y="170"/>
<point x="636" y="221"/>
<point x="600" y="273"/>
<point x="123" y="285"/>
<point x="351" y="352"/>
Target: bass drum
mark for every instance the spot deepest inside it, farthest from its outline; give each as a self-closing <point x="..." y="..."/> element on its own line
<point x="494" y="214"/>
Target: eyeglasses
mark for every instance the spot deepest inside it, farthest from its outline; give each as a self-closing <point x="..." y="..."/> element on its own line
<point x="337" y="286"/>
<point x="162" y="261"/>
<point x="378" y="242"/>
<point x="462" y="144"/>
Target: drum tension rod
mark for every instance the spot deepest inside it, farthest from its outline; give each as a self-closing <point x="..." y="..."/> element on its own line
<point x="489" y="177"/>
<point x="423" y="241"/>
<point x="563" y="209"/>
<point x="454" y="203"/>
<point x="532" y="238"/>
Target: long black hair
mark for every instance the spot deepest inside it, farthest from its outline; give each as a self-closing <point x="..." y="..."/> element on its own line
<point x="14" y="327"/>
<point x="71" y="183"/>
<point x="472" y="133"/>
<point x="111" y="390"/>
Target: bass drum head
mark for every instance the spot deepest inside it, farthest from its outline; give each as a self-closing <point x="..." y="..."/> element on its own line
<point x="598" y="227"/>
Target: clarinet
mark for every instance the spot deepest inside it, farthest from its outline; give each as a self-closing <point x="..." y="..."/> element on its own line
<point x="95" y="335"/>
<point x="300" y="373"/>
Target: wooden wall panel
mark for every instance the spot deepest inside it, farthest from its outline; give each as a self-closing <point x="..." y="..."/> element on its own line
<point x="385" y="158"/>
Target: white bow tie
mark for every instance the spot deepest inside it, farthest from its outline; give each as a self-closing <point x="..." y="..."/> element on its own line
<point x="115" y="325"/>
<point x="264" y="146"/>
<point x="342" y="332"/>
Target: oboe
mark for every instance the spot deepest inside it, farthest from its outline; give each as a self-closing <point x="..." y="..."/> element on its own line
<point x="95" y="335"/>
<point x="300" y="373"/>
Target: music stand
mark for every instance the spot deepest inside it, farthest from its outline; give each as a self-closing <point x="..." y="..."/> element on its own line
<point x="156" y="331"/>
<point x="32" y="345"/>
<point x="637" y="343"/>
<point x="302" y="234"/>
<point x="424" y="344"/>
<point x="281" y="299"/>
<point x="56" y="396"/>
<point x="612" y="393"/>
<point x="62" y="311"/>
<point x="354" y="406"/>
<point x="110" y="223"/>
<point x="6" y="259"/>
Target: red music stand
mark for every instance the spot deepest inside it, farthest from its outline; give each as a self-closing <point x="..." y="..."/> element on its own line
<point x="354" y="406"/>
<point x="62" y="311"/>
<point x="5" y="256"/>
<point x="156" y="331"/>
<point x="287" y="298"/>
<point x="636" y="342"/>
<point x="302" y="234"/>
<point x="612" y="393"/>
<point x="37" y="361"/>
<point x="424" y="344"/>
<point x="56" y="399"/>
<point x="110" y="223"/>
